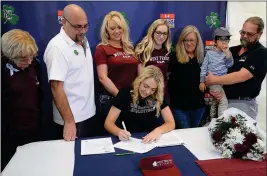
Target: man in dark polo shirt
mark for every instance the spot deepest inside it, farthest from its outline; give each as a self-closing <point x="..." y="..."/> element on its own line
<point x="244" y="78"/>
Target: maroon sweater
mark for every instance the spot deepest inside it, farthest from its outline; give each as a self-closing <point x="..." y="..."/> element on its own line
<point x="20" y="98"/>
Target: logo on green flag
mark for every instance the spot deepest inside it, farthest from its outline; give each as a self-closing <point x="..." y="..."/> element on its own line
<point x="7" y="14"/>
<point x="213" y="20"/>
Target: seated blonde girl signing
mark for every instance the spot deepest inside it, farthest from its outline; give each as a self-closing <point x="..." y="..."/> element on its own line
<point x="140" y="107"/>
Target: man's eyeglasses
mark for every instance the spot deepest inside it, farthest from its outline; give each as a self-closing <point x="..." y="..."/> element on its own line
<point x="78" y="27"/>
<point x="248" y="33"/>
<point x="158" y="33"/>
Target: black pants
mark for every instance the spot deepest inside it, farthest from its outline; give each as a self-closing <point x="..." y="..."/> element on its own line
<point x="88" y="128"/>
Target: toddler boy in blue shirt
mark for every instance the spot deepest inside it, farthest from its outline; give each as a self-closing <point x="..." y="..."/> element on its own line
<point x="217" y="62"/>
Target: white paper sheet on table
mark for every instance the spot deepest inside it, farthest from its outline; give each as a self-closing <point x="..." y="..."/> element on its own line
<point x="136" y="145"/>
<point x="97" y="146"/>
<point x="169" y="139"/>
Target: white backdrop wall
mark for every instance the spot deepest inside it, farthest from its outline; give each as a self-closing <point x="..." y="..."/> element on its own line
<point x="237" y="13"/>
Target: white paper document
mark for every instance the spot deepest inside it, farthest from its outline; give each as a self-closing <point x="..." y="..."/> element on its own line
<point x="169" y="139"/>
<point x="97" y="146"/>
<point x="136" y="145"/>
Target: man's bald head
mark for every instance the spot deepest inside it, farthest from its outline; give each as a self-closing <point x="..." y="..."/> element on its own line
<point x="74" y="12"/>
<point x="75" y="22"/>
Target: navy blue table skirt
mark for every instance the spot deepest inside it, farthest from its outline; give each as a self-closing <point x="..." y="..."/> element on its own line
<point x="128" y="165"/>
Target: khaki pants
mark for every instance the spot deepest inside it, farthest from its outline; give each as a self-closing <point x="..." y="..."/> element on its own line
<point x="222" y="104"/>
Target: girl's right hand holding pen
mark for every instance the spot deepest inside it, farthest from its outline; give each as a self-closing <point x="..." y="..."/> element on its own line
<point x="124" y="135"/>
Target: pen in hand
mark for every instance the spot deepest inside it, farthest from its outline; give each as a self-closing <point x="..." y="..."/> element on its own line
<point x="124" y="134"/>
<point x="123" y="125"/>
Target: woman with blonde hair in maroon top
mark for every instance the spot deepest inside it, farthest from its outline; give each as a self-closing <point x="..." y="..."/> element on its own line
<point x="115" y="59"/>
<point x="154" y="50"/>
<point x="155" y="47"/>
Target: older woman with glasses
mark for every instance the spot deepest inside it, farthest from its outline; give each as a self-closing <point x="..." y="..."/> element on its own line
<point x="186" y="100"/>
<point x="23" y="114"/>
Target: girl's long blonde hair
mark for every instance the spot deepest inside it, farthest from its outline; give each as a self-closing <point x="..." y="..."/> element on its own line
<point x="146" y="46"/>
<point x="181" y="53"/>
<point x="120" y="21"/>
<point x="150" y="71"/>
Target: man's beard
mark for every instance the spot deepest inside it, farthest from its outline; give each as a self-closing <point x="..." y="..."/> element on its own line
<point x="244" y="42"/>
<point x="77" y="38"/>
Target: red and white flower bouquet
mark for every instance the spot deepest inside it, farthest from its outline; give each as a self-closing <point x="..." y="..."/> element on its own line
<point x="236" y="135"/>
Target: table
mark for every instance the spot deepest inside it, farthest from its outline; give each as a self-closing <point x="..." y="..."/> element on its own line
<point x="56" y="158"/>
<point x="110" y="164"/>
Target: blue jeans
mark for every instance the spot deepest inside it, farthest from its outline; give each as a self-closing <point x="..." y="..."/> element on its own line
<point x="187" y="119"/>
